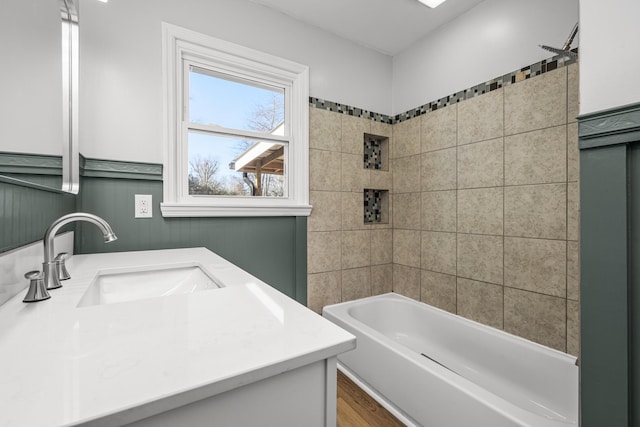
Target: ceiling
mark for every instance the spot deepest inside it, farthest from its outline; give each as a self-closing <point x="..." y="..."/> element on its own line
<point x="388" y="26"/>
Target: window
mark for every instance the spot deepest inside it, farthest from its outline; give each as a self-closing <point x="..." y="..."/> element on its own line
<point x="236" y="129"/>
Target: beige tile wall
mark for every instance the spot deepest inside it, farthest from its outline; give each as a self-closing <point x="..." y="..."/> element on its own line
<point x="484" y="210"/>
<point x="347" y="259"/>
<point x="497" y="198"/>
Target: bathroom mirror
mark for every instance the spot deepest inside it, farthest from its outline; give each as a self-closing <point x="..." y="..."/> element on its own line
<point x="70" y="73"/>
<point x="39" y="102"/>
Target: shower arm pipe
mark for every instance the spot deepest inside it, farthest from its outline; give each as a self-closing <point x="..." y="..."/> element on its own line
<point x="567" y="44"/>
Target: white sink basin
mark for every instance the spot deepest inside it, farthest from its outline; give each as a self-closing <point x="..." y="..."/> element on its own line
<point x="131" y="284"/>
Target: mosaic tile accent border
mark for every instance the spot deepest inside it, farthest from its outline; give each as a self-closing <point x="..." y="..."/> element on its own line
<point x="348" y="110"/>
<point x="527" y="72"/>
<point x="514" y="77"/>
<point x="372" y="206"/>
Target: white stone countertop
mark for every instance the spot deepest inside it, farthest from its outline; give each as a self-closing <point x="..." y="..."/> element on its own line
<point x="112" y="364"/>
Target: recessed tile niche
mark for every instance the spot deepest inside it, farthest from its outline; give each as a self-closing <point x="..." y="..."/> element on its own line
<point x="376" y="152"/>
<point x="376" y="206"/>
<point x="376" y="158"/>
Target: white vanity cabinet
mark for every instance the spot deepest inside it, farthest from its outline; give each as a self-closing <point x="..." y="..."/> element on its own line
<point x="236" y="354"/>
<point x="305" y="396"/>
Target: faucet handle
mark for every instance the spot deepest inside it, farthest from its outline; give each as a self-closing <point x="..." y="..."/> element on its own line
<point x="33" y="275"/>
<point x="37" y="290"/>
<point x="61" y="269"/>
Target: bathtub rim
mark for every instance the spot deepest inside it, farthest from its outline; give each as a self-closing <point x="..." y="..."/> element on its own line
<point x="464" y="385"/>
<point x="339" y="308"/>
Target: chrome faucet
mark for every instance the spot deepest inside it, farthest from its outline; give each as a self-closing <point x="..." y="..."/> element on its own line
<point x="51" y="273"/>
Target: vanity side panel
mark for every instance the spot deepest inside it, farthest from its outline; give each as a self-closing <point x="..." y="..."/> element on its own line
<point x="291" y="399"/>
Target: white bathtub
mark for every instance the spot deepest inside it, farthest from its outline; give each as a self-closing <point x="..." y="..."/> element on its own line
<point x="477" y="375"/>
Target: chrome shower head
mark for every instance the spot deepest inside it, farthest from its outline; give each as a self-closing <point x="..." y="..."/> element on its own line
<point x="557" y="51"/>
<point x="566" y="48"/>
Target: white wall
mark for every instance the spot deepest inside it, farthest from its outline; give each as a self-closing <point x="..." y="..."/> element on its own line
<point x="121" y="75"/>
<point x="121" y="98"/>
<point x="31" y="77"/>
<point x="609" y="58"/>
<point x="492" y="39"/>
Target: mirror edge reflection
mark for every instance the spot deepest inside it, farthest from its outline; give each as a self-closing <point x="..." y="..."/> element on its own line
<point x="70" y="73"/>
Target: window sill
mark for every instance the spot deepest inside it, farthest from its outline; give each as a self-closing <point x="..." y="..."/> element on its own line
<point x="207" y="210"/>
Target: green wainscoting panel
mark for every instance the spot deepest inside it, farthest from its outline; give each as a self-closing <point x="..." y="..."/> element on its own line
<point x="610" y="267"/>
<point x="634" y="214"/>
<point x="32" y="164"/>
<point x="118" y="169"/>
<point x="301" y="259"/>
<point x="41" y="170"/>
<point x="618" y="125"/>
<point x="50" y="183"/>
<point x="27" y="212"/>
<point x="604" y="350"/>
<point x="271" y="248"/>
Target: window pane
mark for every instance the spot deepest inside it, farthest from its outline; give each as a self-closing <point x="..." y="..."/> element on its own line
<point x="220" y="165"/>
<point x="231" y="102"/>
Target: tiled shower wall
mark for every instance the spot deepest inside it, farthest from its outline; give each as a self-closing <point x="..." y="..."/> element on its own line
<point x="347" y="258"/>
<point x="484" y="209"/>
<point x="485" y="200"/>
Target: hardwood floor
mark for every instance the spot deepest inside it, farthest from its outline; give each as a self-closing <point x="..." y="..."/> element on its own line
<point x="357" y="409"/>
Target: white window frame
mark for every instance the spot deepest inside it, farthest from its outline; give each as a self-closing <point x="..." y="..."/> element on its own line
<point x="179" y="45"/>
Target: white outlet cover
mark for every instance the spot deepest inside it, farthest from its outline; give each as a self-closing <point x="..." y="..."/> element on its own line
<point x="143" y="206"/>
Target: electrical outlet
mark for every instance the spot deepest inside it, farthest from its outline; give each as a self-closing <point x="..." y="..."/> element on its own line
<point x="143" y="206"/>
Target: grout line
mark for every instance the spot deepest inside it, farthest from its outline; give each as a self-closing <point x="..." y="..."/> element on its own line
<point x="391" y="159"/>
<point x="437" y="191"/>
<point x="451" y="146"/>
<point x="504" y="168"/>
<point x="505" y="135"/>
<point x="456" y="198"/>
<point x="533" y="292"/>
<point x="536" y="184"/>
<point x="566" y="275"/>
<point x="533" y="130"/>
<point x="420" y="185"/>
<point x="342" y="221"/>
<point x="504" y="235"/>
